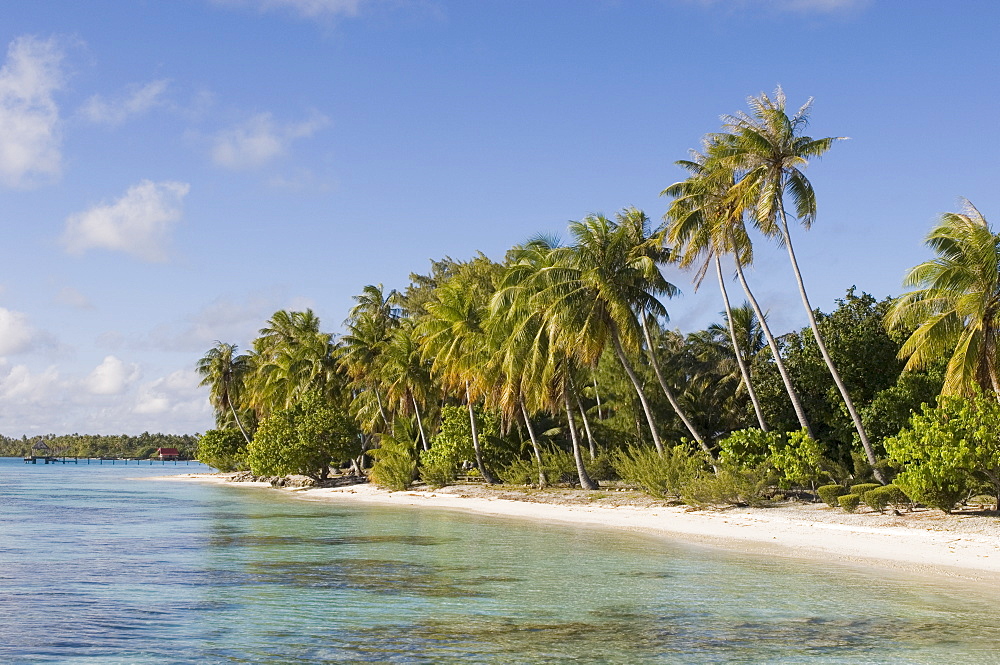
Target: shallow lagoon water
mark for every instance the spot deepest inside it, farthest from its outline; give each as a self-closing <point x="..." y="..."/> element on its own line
<point x="100" y="566"/>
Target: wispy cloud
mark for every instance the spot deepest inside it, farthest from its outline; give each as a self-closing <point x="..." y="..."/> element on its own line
<point x="261" y="140"/>
<point x="803" y="6"/>
<point x="135" y="101"/>
<point x="139" y="223"/>
<point x="304" y="8"/>
<point x="73" y="297"/>
<point x="29" y="117"/>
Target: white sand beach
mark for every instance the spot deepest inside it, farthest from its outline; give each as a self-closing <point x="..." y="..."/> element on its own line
<point x="965" y="546"/>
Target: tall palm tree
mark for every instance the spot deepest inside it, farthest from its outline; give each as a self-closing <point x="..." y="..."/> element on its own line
<point x="705" y="224"/>
<point x="224" y="371"/>
<point x="532" y="371"/>
<point x="405" y="375"/>
<point x="770" y="151"/>
<point x="454" y="339"/>
<point x="601" y="287"/>
<point x="956" y="309"/>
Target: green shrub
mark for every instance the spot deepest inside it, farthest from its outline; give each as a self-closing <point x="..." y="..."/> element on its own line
<point x="729" y="486"/>
<point x="880" y="497"/>
<point x="829" y="494"/>
<point x="660" y="475"/>
<point x="600" y="467"/>
<point x="437" y="472"/>
<point x="849" y="502"/>
<point x="862" y="488"/>
<point x="748" y="448"/>
<point x="800" y="460"/>
<point x="395" y="466"/>
<point x="224" y="449"/>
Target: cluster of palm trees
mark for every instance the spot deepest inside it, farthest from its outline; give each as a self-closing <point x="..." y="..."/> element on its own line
<point x="529" y="337"/>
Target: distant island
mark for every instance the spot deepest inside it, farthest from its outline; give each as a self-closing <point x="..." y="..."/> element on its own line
<point x="121" y="446"/>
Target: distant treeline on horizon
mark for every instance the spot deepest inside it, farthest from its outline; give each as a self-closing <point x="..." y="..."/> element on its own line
<point x="140" y="446"/>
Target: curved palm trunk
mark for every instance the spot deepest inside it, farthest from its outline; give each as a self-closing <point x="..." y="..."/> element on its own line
<point x="534" y="442"/>
<point x="869" y="451"/>
<point x="597" y="396"/>
<point x="237" y="419"/>
<point x="620" y="352"/>
<point x="585" y="480"/>
<point x="800" y="413"/>
<point x="381" y="409"/>
<point x="420" y="423"/>
<point x="592" y="444"/>
<point x="487" y="476"/>
<point x="744" y="371"/>
<point x="669" y="393"/>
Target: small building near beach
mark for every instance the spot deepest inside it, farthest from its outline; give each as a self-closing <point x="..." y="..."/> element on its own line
<point x="167" y="453"/>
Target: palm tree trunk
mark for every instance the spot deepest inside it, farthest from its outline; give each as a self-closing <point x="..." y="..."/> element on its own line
<point x="583" y="416"/>
<point x="869" y="451"/>
<point x="591" y="444"/>
<point x="669" y="393"/>
<point x="620" y="352"/>
<point x="585" y="480"/>
<point x="381" y="410"/>
<point x="238" y="423"/>
<point x="420" y="424"/>
<point x="597" y="396"/>
<point x="800" y="413"/>
<point x="744" y="371"/>
<point x="487" y="476"/>
<point x="534" y="442"/>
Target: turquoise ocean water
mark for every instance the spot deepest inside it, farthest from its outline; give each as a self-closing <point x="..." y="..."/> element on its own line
<point x="98" y="565"/>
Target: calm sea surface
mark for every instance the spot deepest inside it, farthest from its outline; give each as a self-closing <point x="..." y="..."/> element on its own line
<point x="98" y="565"/>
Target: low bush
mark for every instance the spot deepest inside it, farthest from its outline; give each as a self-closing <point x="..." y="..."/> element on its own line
<point x="394" y="467"/>
<point x="862" y="488"/>
<point x="828" y="494"/>
<point x="663" y="475"/>
<point x="729" y="486"/>
<point x="437" y="472"/>
<point x="877" y="499"/>
<point x="849" y="502"/>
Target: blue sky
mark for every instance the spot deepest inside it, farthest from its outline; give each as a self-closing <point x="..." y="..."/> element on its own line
<point x="173" y="172"/>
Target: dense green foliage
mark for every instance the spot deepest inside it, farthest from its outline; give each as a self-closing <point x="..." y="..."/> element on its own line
<point x="224" y="449"/>
<point x="303" y="439"/>
<point x="949" y="450"/>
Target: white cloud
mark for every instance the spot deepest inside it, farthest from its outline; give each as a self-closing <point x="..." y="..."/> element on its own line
<point x="111" y="377"/>
<point x="19" y="385"/>
<point x="29" y="116"/>
<point x="135" y="102"/>
<point x="306" y="8"/>
<point x="138" y="223"/>
<point x="72" y="297"/>
<point x="16" y="334"/>
<point x="178" y="392"/>
<point x="260" y="140"/>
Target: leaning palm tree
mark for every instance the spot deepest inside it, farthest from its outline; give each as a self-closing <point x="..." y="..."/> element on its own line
<point x="705" y="224"/>
<point x="770" y="152"/>
<point x="956" y="307"/>
<point x="601" y="287"/>
<point x="224" y="371"/>
<point x="454" y="340"/>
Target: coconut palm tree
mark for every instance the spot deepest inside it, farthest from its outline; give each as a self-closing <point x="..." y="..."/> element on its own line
<point x="224" y="371"/>
<point x="703" y="225"/>
<point x="770" y="152"/>
<point x="602" y="285"/>
<point x="530" y="369"/>
<point x="454" y="339"/>
<point x="956" y="307"/>
<point x="405" y="375"/>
